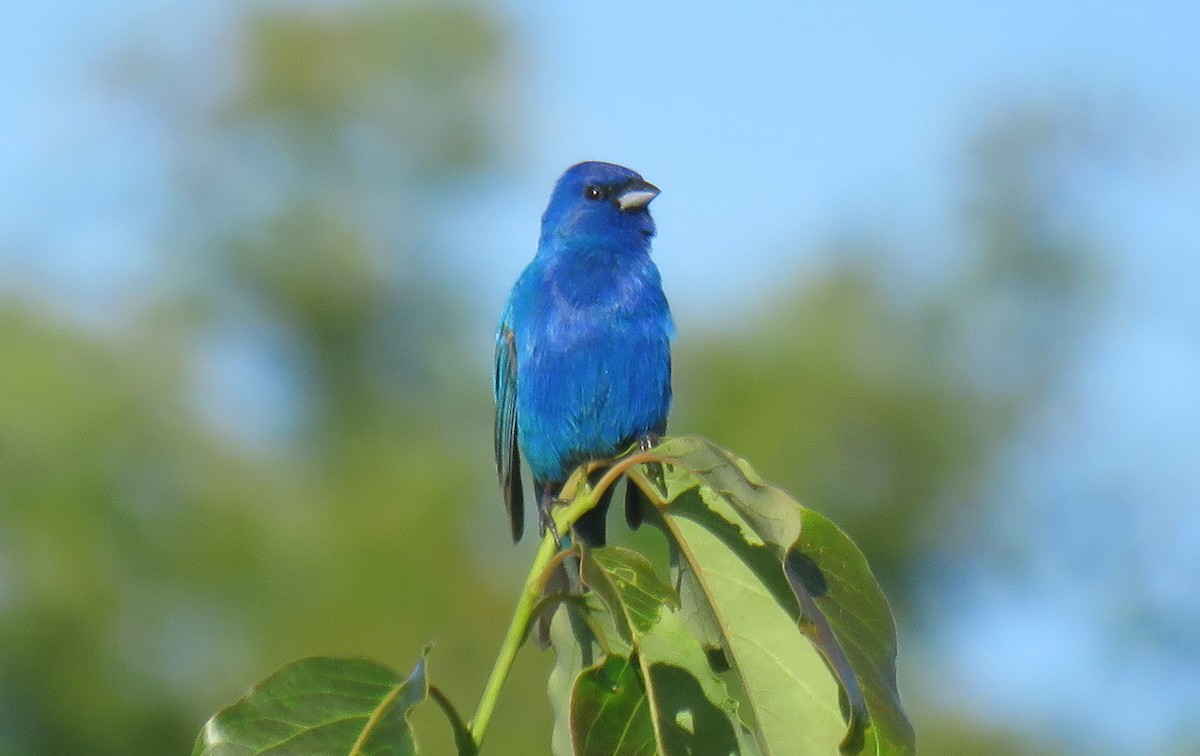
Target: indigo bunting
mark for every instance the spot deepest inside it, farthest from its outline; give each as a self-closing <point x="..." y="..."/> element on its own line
<point x="583" y="349"/>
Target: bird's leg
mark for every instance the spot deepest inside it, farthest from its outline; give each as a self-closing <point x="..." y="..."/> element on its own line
<point x="545" y="516"/>
<point x="654" y="470"/>
<point x="636" y="502"/>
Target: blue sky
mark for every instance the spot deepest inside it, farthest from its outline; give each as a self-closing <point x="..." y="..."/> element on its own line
<point x="774" y="126"/>
<point x="771" y="128"/>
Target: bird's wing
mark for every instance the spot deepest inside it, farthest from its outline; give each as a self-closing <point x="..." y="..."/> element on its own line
<point x="508" y="456"/>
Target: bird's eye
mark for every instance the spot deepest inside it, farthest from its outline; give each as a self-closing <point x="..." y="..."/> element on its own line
<point x="593" y="193"/>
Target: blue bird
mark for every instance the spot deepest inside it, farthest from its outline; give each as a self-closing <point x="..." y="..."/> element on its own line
<point x="583" y="349"/>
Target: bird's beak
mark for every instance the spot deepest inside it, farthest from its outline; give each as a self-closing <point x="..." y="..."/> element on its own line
<point x="637" y="195"/>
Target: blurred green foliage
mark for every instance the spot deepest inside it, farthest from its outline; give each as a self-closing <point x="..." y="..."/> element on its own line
<point x="151" y="567"/>
<point x="884" y="410"/>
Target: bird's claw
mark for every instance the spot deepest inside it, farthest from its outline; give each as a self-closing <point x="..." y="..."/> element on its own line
<point x="654" y="470"/>
<point x="546" y="521"/>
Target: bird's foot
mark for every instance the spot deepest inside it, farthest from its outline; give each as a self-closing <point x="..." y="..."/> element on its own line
<point x="546" y="521"/>
<point x="546" y="502"/>
<point x="648" y="442"/>
<point x="654" y="470"/>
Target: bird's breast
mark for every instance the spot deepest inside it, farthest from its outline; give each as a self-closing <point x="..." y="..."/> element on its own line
<point x="596" y="287"/>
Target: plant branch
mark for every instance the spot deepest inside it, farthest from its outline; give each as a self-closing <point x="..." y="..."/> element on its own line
<point x="513" y="639"/>
<point x="528" y="602"/>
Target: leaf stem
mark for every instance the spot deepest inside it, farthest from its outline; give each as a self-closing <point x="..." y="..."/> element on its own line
<point x="531" y="593"/>
<point x="513" y="639"/>
<point x="524" y="612"/>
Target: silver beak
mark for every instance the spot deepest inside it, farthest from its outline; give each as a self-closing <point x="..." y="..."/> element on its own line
<point x="637" y="196"/>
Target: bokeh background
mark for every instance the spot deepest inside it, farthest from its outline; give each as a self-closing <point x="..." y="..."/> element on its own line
<point x="934" y="268"/>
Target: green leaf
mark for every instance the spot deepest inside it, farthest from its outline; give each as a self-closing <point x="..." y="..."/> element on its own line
<point x="625" y="581"/>
<point x="320" y="705"/>
<point x="694" y="611"/>
<point x="852" y="611"/>
<point x="787" y="691"/>
<point x="690" y="707"/>
<point x="610" y="715"/>
<point x="731" y="488"/>
<point x="575" y="647"/>
<point x="757" y="575"/>
<point x="463" y="741"/>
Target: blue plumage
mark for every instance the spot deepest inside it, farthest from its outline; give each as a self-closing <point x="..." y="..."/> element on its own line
<point x="583" y="360"/>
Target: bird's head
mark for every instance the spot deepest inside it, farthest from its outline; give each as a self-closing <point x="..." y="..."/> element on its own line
<point x="600" y="202"/>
